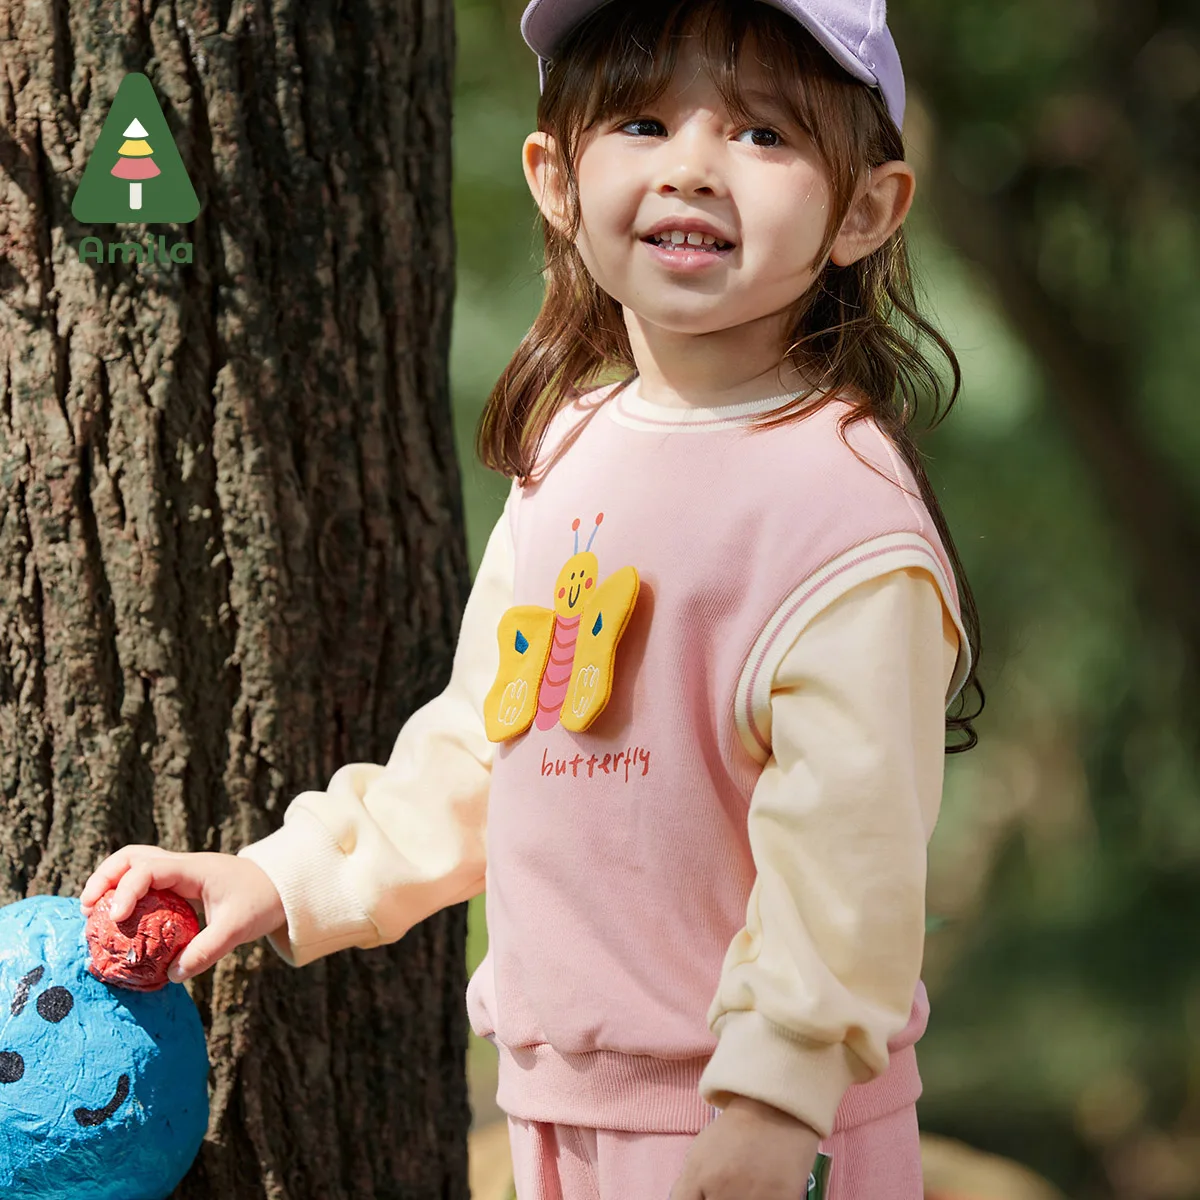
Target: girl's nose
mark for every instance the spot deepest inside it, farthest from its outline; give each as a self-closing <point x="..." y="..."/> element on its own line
<point x="689" y="178"/>
<point x="687" y="165"/>
<point x="12" y="1066"/>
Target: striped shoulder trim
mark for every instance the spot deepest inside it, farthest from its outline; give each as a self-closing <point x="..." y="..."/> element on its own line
<point x="890" y="552"/>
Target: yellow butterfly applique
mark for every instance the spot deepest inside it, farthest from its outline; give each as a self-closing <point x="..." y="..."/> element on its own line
<point x="557" y="664"/>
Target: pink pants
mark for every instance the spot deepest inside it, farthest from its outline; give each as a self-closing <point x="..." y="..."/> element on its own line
<point x="877" y="1161"/>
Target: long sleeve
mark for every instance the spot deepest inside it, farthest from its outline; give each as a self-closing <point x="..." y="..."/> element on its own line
<point x="824" y="971"/>
<point x="387" y="846"/>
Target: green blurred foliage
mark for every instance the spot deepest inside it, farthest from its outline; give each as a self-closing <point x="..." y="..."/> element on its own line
<point x="499" y="285"/>
<point x="1066" y="979"/>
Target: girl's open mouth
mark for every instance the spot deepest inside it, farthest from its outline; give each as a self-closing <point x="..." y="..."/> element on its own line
<point x="687" y="252"/>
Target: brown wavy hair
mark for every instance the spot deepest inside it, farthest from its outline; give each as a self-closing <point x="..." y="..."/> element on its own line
<point x="856" y="333"/>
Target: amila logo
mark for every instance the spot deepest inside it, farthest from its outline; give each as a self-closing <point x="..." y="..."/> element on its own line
<point x="135" y="174"/>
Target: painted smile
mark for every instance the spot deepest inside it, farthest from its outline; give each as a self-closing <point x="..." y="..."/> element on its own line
<point x="97" y="1116"/>
<point x="573" y="595"/>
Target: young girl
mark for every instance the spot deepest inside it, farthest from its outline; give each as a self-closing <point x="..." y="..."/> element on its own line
<point x="699" y="701"/>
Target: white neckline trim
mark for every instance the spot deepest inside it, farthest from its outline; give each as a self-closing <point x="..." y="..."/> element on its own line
<point x="631" y="409"/>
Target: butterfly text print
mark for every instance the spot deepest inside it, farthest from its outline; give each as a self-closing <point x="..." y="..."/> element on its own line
<point x="557" y="664"/>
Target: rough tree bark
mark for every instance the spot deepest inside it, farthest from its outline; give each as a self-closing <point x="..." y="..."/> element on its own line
<point x="231" y="547"/>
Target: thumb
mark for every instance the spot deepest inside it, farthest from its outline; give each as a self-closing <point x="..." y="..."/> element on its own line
<point x="210" y="944"/>
<point x="685" y="1189"/>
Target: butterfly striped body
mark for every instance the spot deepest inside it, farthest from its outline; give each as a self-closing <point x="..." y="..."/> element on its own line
<point x="557" y="678"/>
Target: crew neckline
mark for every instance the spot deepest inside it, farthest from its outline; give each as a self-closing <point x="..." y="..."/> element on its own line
<point x="630" y="407"/>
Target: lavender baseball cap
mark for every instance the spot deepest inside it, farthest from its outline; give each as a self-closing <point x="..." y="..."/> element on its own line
<point x="854" y="32"/>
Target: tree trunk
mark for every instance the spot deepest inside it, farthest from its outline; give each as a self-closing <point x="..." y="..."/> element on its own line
<point x="231" y="540"/>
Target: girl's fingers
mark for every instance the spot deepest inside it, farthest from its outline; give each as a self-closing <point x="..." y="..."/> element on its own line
<point x="105" y="876"/>
<point x="134" y="884"/>
<point x="108" y="874"/>
<point x="164" y="870"/>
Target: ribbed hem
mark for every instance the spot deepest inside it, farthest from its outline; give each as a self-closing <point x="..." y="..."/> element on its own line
<point x="312" y="876"/>
<point x="603" y="1089"/>
<point x="897" y="1088"/>
<point x="639" y="1093"/>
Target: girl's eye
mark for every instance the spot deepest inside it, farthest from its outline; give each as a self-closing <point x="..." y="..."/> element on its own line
<point x="762" y="136"/>
<point x="644" y="127"/>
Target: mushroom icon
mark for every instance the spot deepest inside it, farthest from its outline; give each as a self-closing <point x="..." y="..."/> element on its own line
<point x="136" y="162"/>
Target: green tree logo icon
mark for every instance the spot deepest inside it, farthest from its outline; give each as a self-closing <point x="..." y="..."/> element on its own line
<point x="136" y="162"/>
<point x="134" y="172"/>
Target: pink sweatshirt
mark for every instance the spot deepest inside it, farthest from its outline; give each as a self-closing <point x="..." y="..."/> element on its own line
<point x="717" y="887"/>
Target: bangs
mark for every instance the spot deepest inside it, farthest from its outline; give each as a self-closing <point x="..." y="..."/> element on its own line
<point x="622" y="58"/>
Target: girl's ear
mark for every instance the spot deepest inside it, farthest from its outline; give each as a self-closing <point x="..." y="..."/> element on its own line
<point x="538" y="161"/>
<point x="880" y="205"/>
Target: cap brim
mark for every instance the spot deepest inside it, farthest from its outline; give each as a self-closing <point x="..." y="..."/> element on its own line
<point x="546" y="22"/>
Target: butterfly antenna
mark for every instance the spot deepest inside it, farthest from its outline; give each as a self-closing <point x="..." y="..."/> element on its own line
<point x="575" y="526"/>
<point x="599" y="518"/>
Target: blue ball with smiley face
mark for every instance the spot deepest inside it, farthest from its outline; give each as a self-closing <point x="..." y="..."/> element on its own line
<point x="103" y="1091"/>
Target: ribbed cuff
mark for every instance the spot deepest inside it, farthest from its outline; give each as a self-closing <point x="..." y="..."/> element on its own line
<point x="759" y="1059"/>
<point x="313" y="878"/>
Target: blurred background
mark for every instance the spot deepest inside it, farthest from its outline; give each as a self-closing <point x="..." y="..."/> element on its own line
<point x="1057" y="149"/>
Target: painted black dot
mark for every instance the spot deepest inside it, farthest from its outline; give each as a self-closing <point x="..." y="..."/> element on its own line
<point x="54" y="1004"/>
<point x="12" y="1066"/>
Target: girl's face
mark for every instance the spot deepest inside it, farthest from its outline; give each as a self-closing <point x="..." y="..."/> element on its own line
<point x="696" y="222"/>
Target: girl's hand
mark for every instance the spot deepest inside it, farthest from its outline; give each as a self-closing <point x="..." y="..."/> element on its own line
<point x="240" y="901"/>
<point x="752" y="1151"/>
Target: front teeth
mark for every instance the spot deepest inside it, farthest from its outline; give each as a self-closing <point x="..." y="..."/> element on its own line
<point x="676" y="237"/>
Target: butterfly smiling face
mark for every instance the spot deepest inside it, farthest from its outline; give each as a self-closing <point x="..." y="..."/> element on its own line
<point x="575" y="582"/>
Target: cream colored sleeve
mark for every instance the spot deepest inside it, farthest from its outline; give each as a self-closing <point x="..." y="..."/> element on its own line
<point x="823" y="973"/>
<point x="387" y="846"/>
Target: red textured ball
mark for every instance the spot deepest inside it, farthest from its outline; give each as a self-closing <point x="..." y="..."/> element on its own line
<point x="136" y="952"/>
